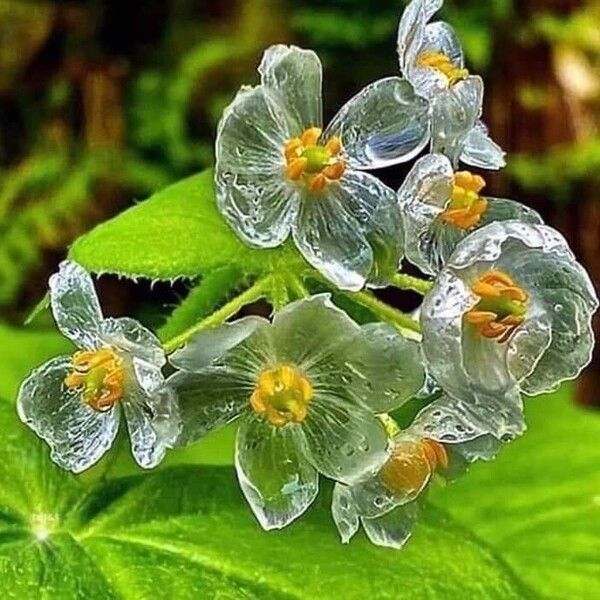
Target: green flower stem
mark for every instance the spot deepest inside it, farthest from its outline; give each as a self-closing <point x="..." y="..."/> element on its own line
<point x="259" y="290"/>
<point x="384" y="311"/>
<point x="297" y="287"/>
<point x="408" y="282"/>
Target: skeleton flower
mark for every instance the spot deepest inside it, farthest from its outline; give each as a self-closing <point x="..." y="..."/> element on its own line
<point x="441" y="206"/>
<point x="75" y="402"/>
<point x="277" y="172"/>
<point x="307" y="388"/>
<point x="511" y="309"/>
<point x="431" y="58"/>
<point x="440" y="443"/>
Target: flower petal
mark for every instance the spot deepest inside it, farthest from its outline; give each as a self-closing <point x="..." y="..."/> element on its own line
<point x="393" y="529"/>
<point x="345" y="442"/>
<point x="457" y="421"/>
<point x="454" y="114"/>
<point x="344" y="513"/>
<point x="382" y="368"/>
<point x="309" y="333"/>
<point x="428" y="182"/>
<point x="209" y="345"/>
<point x="479" y="150"/>
<point x="330" y="239"/>
<point x="569" y="301"/>
<point x="208" y="400"/>
<point x="78" y="436"/>
<point x="277" y="480"/>
<point x="411" y="31"/>
<point x="251" y="189"/>
<point x="259" y="208"/>
<point x="153" y="424"/>
<point x="131" y="337"/>
<point x="75" y="304"/>
<point x="253" y="132"/>
<point x="296" y="76"/>
<point x="384" y="124"/>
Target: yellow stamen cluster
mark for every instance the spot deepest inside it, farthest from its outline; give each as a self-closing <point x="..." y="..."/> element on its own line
<point x="466" y="206"/>
<point x="442" y="63"/>
<point x="313" y="164"/>
<point x="412" y="464"/>
<point x="502" y="306"/>
<point x="282" y="395"/>
<point x="100" y="375"/>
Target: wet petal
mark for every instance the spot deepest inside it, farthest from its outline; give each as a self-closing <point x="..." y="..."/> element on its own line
<point x="384" y="124"/>
<point x="330" y="238"/>
<point x="153" y="424"/>
<point x="344" y="513"/>
<point x="345" y="442"/>
<point x="393" y="529"/>
<point x="569" y="300"/>
<point x="277" y="480"/>
<point x="208" y="399"/>
<point x="310" y="333"/>
<point x="441" y="320"/>
<point x="458" y="421"/>
<point x="428" y="182"/>
<point x="75" y="304"/>
<point x="479" y="150"/>
<point x="131" y="337"/>
<point x="259" y="208"/>
<point x="252" y="134"/>
<point x="382" y="368"/>
<point x="296" y="76"/>
<point x="411" y="31"/>
<point x="251" y="189"/>
<point x="454" y="114"/>
<point x="78" y="436"/>
<point x="208" y="345"/>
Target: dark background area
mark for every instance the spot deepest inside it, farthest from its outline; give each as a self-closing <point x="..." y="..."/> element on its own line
<point x="104" y="102"/>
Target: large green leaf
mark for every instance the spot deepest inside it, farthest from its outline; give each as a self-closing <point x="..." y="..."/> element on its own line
<point x="538" y="505"/>
<point x="178" y="232"/>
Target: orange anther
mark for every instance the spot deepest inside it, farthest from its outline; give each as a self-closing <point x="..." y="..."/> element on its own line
<point x="317" y="182"/>
<point x="334" y="145"/>
<point x="311" y="136"/>
<point x="335" y="171"/>
<point x="296" y="168"/>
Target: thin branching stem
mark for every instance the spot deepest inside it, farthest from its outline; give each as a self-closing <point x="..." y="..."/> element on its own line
<point x="259" y="290"/>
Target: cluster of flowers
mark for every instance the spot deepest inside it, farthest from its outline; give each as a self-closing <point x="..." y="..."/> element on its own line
<point x="508" y="311"/>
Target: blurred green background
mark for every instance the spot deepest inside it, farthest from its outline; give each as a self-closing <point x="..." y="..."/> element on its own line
<point x="103" y="102"/>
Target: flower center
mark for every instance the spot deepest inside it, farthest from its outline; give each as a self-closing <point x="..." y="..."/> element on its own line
<point x="313" y="164"/>
<point x="412" y="463"/>
<point x="282" y="395"/>
<point x="502" y="306"/>
<point x="466" y="206"/>
<point x="442" y="63"/>
<point x="100" y="376"/>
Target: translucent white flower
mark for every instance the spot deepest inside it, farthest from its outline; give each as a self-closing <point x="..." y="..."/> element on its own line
<point x="441" y="206"/>
<point x="440" y="443"/>
<point x="431" y="58"/>
<point x="278" y="173"/>
<point x="75" y="402"/>
<point x="511" y="309"/>
<point x="308" y="387"/>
